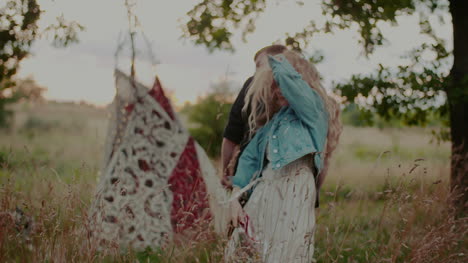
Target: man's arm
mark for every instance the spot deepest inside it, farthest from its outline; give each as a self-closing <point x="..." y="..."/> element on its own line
<point x="228" y="150"/>
<point x="233" y="135"/>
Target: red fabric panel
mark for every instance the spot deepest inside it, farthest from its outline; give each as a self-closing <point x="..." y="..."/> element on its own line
<point x="190" y="205"/>
<point x="158" y="94"/>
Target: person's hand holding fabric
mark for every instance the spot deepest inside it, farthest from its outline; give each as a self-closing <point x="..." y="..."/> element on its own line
<point x="237" y="214"/>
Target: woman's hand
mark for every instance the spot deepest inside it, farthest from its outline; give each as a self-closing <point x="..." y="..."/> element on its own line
<point x="236" y="212"/>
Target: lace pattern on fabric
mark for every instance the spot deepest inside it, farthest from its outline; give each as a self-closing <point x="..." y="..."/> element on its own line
<point x="134" y="200"/>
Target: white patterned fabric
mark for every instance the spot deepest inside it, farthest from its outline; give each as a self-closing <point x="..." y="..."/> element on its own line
<point x="134" y="206"/>
<point x="217" y="195"/>
<point x="125" y="96"/>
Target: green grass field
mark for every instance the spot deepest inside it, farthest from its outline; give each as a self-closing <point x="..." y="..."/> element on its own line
<point x="385" y="198"/>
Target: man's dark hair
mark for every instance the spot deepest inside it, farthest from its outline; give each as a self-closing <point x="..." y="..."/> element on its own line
<point x="271" y="50"/>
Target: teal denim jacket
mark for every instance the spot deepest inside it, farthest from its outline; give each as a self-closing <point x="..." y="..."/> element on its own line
<point x="296" y="130"/>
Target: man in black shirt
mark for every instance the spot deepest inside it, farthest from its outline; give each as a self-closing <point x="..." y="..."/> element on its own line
<point x="235" y="134"/>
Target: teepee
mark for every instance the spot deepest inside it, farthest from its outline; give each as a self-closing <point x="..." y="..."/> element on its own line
<point x="156" y="180"/>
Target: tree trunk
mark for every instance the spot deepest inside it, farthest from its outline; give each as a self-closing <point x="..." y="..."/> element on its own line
<point x="457" y="95"/>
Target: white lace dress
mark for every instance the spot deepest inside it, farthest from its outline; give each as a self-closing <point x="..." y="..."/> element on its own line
<point x="281" y="212"/>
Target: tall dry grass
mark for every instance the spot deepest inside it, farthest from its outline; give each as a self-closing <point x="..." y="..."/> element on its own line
<point x="386" y="198"/>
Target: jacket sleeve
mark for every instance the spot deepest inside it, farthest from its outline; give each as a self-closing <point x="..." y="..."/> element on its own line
<point x="248" y="164"/>
<point x="305" y="101"/>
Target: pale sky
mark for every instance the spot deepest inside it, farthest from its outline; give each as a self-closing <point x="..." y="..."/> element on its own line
<point x="84" y="71"/>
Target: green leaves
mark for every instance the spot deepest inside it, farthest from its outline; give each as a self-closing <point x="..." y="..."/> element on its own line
<point x="366" y="14"/>
<point x="64" y="32"/>
<point x="211" y="22"/>
<point x="18" y="30"/>
<point x="412" y="93"/>
<point x="403" y="93"/>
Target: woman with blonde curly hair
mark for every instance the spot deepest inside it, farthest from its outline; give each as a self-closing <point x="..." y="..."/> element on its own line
<point x="293" y="127"/>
